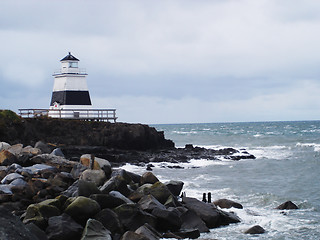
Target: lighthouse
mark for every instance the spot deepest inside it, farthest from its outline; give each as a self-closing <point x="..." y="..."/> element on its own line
<point x="70" y="90"/>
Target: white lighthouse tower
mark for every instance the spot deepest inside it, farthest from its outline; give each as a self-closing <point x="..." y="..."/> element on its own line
<point x="70" y="90"/>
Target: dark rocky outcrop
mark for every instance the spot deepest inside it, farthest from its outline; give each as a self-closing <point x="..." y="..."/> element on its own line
<point x="255" y="230"/>
<point x="13" y="130"/>
<point x="287" y="205"/>
<point x="226" y="203"/>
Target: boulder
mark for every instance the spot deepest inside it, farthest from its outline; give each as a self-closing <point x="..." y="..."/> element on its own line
<point x="45" y="148"/>
<point x="96" y="176"/>
<point x="149" y="232"/>
<point x="94" y="230"/>
<point x="148" y="177"/>
<point x="10" y="177"/>
<point x="56" y="161"/>
<point x="227" y="217"/>
<point x="129" y="235"/>
<point x="35" y="230"/>
<point x="16" y="149"/>
<point x="7" y="158"/>
<point x="287" y="205"/>
<point x="4" y="146"/>
<point x="255" y="230"/>
<point x="99" y="163"/>
<point x="207" y="212"/>
<point x="159" y="191"/>
<point x="28" y="150"/>
<point x="167" y="219"/>
<point x="39" y="214"/>
<point x="37" y="169"/>
<point x="57" y="152"/>
<point x="191" y="233"/>
<point x="86" y="188"/>
<point x="82" y="208"/>
<point x="107" y="200"/>
<point x="175" y="187"/>
<point x="134" y="177"/>
<point x="190" y="220"/>
<point x="118" y="195"/>
<point x="226" y="203"/>
<point x="132" y="217"/>
<point x="72" y="190"/>
<point x="63" y="227"/>
<point x="77" y="170"/>
<point x="18" y="182"/>
<point x="140" y="192"/>
<point x="149" y="203"/>
<point x="11" y="228"/>
<point x="116" y="183"/>
<point x="109" y="220"/>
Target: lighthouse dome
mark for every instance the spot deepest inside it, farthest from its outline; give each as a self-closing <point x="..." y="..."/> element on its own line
<point x="69" y="57"/>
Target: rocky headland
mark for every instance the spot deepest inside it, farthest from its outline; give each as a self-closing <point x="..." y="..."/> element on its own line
<point x="60" y="180"/>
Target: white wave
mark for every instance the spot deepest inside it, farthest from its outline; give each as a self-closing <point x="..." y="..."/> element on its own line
<point x="315" y="146"/>
<point x="271" y="152"/>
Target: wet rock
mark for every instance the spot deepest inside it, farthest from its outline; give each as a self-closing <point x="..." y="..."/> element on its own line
<point x="11" y="228"/>
<point x="255" y="230"/>
<point x="148" y="177"/>
<point x="56" y="161"/>
<point x="63" y="227"/>
<point x="175" y="187"/>
<point x="226" y="203"/>
<point x="191" y="233"/>
<point x="227" y="217"/>
<point x="18" y="182"/>
<point x="167" y="219"/>
<point x="72" y="190"/>
<point x="207" y="212"/>
<point x="94" y="230"/>
<point x="82" y="208"/>
<point x="109" y="220"/>
<point x="149" y="232"/>
<point x="132" y="217"/>
<point x="190" y="220"/>
<point x="96" y="176"/>
<point x="287" y="205"/>
<point x="129" y="235"/>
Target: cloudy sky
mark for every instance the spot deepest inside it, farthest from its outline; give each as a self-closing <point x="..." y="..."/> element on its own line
<point x="174" y="61"/>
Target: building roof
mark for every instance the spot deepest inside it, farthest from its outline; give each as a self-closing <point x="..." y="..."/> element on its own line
<point x="69" y="57"/>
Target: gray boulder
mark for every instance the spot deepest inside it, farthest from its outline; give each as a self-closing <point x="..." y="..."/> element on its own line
<point x="96" y="176"/>
<point x="10" y="177"/>
<point x="175" y="187"/>
<point x="149" y="232"/>
<point x="11" y="228"/>
<point x="226" y="203"/>
<point x="94" y="230"/>
<point x="109" y="220"/>
<point x="57" y="152"/>
<point x="287" y="205"/>
<point x="118" y="195"/>
<point x="167" y="219"/>
<point x="86" y="188"/>
<point x="190" y="220"/>
<point x="4" y="146"/>
<point x="255" y="230"/>
<point x="148" y="177"/>
<point x="45" y="148"/>
<point x="130" y="235"/>
<point x="149" y="203"/>
<point x="63" y="227"/>
<point x="107" y="201"/>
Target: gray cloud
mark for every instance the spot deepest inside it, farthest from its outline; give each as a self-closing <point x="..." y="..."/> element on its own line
<point x="174" y="53"/>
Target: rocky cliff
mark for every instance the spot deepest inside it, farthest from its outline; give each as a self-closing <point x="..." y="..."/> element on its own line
<point x="61" y="132"/>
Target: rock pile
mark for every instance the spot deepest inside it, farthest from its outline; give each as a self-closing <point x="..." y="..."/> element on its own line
<point x="57" y="198"/>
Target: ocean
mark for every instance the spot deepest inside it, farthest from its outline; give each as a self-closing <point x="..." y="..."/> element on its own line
<point x="287" y="167"/>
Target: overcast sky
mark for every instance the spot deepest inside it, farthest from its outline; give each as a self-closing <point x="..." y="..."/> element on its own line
<point x="168" y="61"/>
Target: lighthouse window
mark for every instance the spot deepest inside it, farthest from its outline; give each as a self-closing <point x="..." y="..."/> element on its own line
<point x="73" y="64"/>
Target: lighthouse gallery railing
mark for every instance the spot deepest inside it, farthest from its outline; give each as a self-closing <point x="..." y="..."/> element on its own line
<point x="82" y="114"/>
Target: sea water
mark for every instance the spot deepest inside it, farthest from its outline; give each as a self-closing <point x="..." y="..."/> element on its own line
<point x="287" y="167"/>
